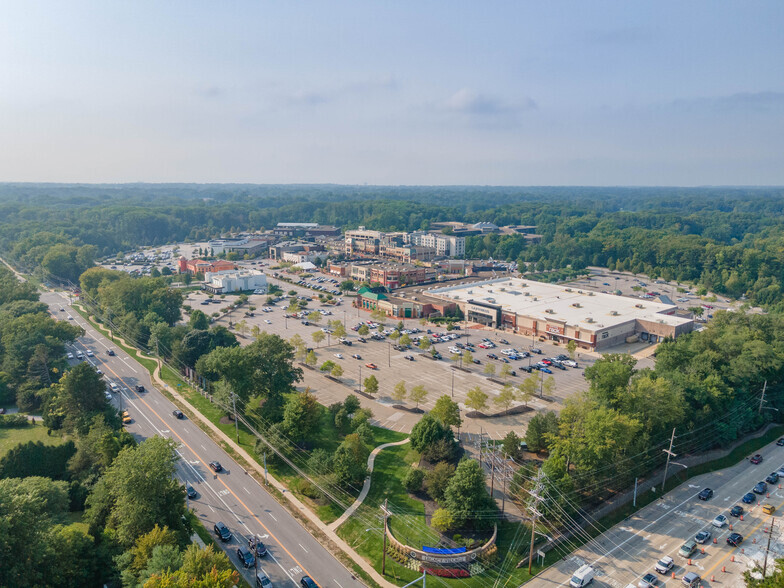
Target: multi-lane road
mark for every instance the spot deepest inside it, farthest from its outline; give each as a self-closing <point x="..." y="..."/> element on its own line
<point x="629" y="550"/>
<point x="231" y="496"/>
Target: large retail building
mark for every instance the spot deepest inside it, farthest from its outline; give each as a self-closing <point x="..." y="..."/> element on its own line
<point x="558" y="313"/>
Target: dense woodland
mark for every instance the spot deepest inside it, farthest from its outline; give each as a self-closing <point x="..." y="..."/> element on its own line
<point x="729" y="240"/>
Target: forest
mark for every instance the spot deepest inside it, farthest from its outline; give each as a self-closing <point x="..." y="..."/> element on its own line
<point x="726" y="240"/>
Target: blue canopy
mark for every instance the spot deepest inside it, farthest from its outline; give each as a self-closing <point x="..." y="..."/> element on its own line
<point x="443" y="551"/>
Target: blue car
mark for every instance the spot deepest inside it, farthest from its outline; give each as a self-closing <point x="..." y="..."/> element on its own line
<point x="546" y="370"/>
<point x="760" y="488"/>
<point x="748" y="498"/>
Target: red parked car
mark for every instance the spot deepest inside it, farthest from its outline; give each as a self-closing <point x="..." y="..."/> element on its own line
<point x="756" y="459"/>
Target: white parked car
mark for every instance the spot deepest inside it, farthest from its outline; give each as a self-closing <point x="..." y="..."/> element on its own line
<point x="719" y="521"/>
<point x="89" y="353"/>
<point x="569" y="363"/>
<point x="114" y="387"/>
<point x="269" y="322"/>
<point x="70" y="356"/>
<point x="339" y="355"/>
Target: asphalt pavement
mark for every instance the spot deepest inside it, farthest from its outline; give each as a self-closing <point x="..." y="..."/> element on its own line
<point x="231" y="496"/>
<point x="629" y="550"/>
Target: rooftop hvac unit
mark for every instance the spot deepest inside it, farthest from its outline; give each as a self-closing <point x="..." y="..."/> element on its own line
<point x="568" y="289"/>
<point x="577" y="305"/>
<point x="591" y="294"/>
<point x="613" y="313"/>
<point x="588" y="320"/>
<point x="550" y="311"/>
<point x="638" y="306"/>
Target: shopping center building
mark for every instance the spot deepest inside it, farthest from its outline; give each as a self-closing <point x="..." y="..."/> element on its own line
<point x="558" y="313"/>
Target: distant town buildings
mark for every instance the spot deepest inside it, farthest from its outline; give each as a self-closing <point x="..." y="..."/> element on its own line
<point x="251" y="245"/>
<point x="305" y="230"/>
<point x="223" y="282"/>
<point x="297" y="252"/>
<point x="200" y="266"/>
<point x="405" y="247"/>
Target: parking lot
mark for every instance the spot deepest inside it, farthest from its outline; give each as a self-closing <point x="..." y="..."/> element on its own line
<point x="438" y="377"/>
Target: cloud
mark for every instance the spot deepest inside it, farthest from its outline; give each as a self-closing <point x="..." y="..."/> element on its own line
<point x="469" y="102"/>
<point x="746" y="102"/>
<point x="361" y="88"/>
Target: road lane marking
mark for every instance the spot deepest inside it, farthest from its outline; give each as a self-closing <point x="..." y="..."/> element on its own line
<point x="303" y="549"/>
<point x="273" y="516"/>
<point x="221" y="481"/>
<point x="246" y="490"/>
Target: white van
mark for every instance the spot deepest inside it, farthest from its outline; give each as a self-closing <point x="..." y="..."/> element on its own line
<point x="582" y="577"/>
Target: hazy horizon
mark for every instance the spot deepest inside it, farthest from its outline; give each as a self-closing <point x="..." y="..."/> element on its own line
<point x="567" y="93"/>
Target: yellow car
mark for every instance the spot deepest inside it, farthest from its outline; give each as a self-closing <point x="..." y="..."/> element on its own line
<point x="126" y="418"/>
<point x="768" y="508"/>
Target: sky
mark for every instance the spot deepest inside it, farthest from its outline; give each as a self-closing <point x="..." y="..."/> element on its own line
<point x="654" y="93"/>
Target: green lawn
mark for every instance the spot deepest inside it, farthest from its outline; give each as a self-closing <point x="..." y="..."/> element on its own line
<point x="387" y="483"/>
<point x="12" y="437"/>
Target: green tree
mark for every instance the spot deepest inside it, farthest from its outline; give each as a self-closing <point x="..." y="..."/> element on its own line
<point x="442" y="520"/>
<point x="528" y="388"/>
<point x="371" y="385"/>
<point x="363" y="330"/>
<point x="318" y="337"/>
<point x="405" y="340"/>
<point x="399" y="392"/>
<point x="349" y="464"/>
<point x="511" y="445"/>
<point x="466" y="496"/>
<point x="202" y="568"/>
<point x="337" y="371"/>
<point x="571" y="348"/>
<point x="315" y="317"/>
<point x="301" y="415"/>
<point x="505" y="398"/>
<point x="447" y="412"/>
<point x="199" y="320"/>
<point x="417" y="394"/>
<point x="394" y="335"/>
<point x="413" y="480"/>
<point x="476" y="399"/>
<point x="437" y="479"/>
<point x="77" y="398"/>
<point x="609" y="378"/>
<point x="138" y="492"/>
<point x="542" y="429"/>
<point x="468" y="357"/>
<point x="424" y="343"/>
<point x="489" y="369"/>
<point x="339" y="330"/>
<point x="505" y="372"/>
<point x="547" y="385"/>
<point x="427" y="432"/>
<point x="310" y="359"/>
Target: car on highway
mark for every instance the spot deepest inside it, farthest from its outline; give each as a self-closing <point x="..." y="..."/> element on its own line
<point x="371" y="366"/>
<point x="215" y="466"/>
<point x="756" y="459"/>
<point x="648" y="581"/>
<point x="89" y="353"/>
<point x="246" y="557"/>
<point x="190" y="491"/>
<point x="760" y="488"/>
<point x="736" y="511"/>
<point x="114" y="387"/>
<point x="108" y="395"/>
<point x="139" y="388"/>
<point x="719" y="521"/>
<point x="178" y="414"/>
<point x="687" y="548"/>
<point x="702" y="537"/>
<point x="126" y="418"/>
<point x="780" y="442"/>
<point x="692" y="580"/>
<point x="768" y="509"/>
<point x="79" y="355"/>
<point x="734" y="539"/>
<point x="110" y="352"/>
<point x="222" y="531"/>
<point x="263" y="581"/>
<point x="664" y="565"/>
<point x="307" y="582"/>
<point x="748" y="498"/>
<point x="772" y="478"/>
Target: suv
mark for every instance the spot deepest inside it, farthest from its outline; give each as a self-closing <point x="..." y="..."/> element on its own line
<point x="307" y="582"/>
<point x="705" y="494"/>
<point x="734" y="539"/>
<point x="139" y="389"/>
<point x="178" y="414"/>
<point x="246" y="557"/>
<point x="110" y="352"/>
<point x="262" y="581"/>
<point x="692" y="580"/>
<point x="687" y="548"/>
<point x="222" y="531"/>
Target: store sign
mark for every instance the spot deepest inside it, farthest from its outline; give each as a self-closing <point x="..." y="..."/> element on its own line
<point x="555" y="329"/>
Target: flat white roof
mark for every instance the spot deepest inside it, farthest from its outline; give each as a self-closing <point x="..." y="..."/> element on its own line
<point x="591" y="311"/>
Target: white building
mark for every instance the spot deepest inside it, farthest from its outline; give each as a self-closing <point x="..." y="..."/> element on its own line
<point x="300" y="256"/>
<point x="445" y="245"/>
<point x="227" y="281"/>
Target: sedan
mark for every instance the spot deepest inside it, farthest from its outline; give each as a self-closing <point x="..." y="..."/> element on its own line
<point x="756" y="459"/>
<point x="760" y="488"/>
<point x="546" y="370"/>
<point x="70" y="356"/>
<point x="748" y="498"/>
<point x="357" y="356"/>
<point x="772" y="478"/>
<point x="339" y="355"/>
<point x="736" y="511"/>
<point x="780" y="442"/>
<point x="648" y="581"/>
<point x="190" y="491"/>
<point x="222" y="531"/>
<point x="570" y="363"/>
<point x="178" y="414"/>
<point x="719" y="521"/>
<point x="267" y="321"/>
<point x="216" y="466"/>
<point x="110" y="352"/>
<point x="734" y="539"/>
<point x="409" y="357"/>
<point x="371" y="366"/>
<point x="702" y="537"/>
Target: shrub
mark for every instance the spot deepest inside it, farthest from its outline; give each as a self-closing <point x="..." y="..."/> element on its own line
<point x="413" y="480"/>
<point x="13" y="421"/>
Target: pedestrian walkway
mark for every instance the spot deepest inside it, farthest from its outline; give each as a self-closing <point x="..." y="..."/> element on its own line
<point x="366" y="486"/>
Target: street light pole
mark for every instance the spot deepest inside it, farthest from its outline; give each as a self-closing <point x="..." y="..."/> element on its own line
<point x="667" y="465"/>
<point x="453" y="382"/>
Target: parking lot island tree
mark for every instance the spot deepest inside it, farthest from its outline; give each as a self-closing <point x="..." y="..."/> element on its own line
<point x="417" y="394"/>
<point x="371" y="385"/>
<point x="399" y="392"/>
<point x="476" y="399"/>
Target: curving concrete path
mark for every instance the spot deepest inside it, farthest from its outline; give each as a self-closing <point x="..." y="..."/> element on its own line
<point x="365" y="487"/>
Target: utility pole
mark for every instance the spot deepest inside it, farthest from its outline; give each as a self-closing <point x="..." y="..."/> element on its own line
<point x="667" y="465"/>
<point x="533" y="508"/>
<point x="453" y="382"/>
<point x="767" y="549"/>
<point x="384" y="553"/>
<point x="266" y="482"/>
<point x="762" y="400"/>
<point x="481" y="439"/>
<point x="236" y="424"/>
<point x="503" y="491"/>
<point x="634" y="502"/>
<point x="492" y="473"/>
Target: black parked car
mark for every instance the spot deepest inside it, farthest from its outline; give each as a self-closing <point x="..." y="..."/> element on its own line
<point x="706" y="494"/>
<point x="736" y="511"/>
<point x="772" y="478"/>
<point x="222" y="531"/>
<point x="307" y="582"/>
<point x="760" y="488"/>
<point x="780" y="442"/>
